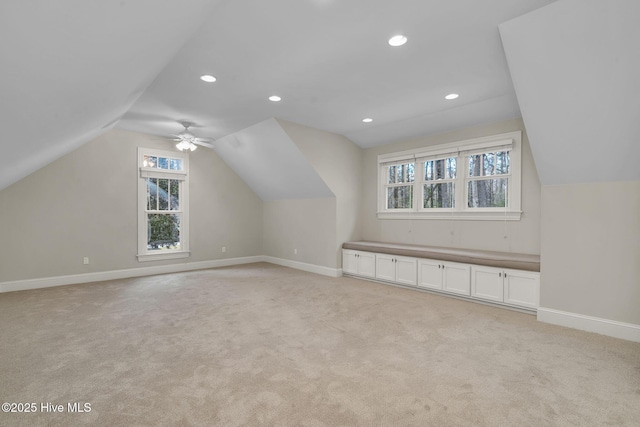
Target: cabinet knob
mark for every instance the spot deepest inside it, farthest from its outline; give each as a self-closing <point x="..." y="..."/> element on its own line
<point x="500" y="274"/>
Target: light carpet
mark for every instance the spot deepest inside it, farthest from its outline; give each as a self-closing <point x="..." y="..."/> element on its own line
<point x="266" y="345"/>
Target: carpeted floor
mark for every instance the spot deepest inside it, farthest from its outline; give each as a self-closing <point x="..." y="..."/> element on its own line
<point x="266" y="345"/>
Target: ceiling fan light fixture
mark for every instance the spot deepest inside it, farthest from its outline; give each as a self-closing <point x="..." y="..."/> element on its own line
<point x="186" y="145"/>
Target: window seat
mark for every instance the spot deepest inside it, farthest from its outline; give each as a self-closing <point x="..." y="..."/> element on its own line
<point x="510" y="260"/>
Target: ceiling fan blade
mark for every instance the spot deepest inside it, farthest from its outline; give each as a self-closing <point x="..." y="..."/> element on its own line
<point x="204" y="144"/>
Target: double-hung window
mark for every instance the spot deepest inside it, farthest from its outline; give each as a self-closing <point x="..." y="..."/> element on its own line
<point x="163" y="205"/>
<point x="488" y="180"/>
<point x="473" y="179"/>
<point x="398" y="187"/>
<point x="439" y="183"/>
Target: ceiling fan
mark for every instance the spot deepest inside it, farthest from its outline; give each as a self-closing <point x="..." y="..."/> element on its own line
<point x="187" y="140"/>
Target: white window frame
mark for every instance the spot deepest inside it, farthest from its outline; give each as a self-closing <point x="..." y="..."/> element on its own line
<point x="183" y="176"/>
<point x="420" y="163"/>
<point x="385" y="185"/>
<point x="511" y="142"/>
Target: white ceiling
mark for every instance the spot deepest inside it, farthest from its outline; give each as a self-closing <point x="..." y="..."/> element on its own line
<point x="578" y="87"/>
<point x="72" y="68"/>
<point x="271" y="164"/>
<point x="330" y="62"/>
<point x="69" y="69"/>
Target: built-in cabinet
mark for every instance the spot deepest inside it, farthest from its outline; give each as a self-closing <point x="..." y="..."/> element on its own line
<point x="444" y="276"/>
<point x="359" y="263"/>
<point x="513" y="287"/>
<point x="396" y="269"/>
<point x="503" y="286"/>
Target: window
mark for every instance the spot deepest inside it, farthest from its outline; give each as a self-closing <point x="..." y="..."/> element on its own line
<point x="488" y="180"/>
<point x="474" y="179"/>
<point x="163" y="220"/>
<point x="399" y="186"/>
<point x="438" y="186"/>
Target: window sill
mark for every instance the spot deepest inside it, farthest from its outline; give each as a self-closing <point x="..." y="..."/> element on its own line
<point x="469" y="216"/>
<point x="163" y="256"/>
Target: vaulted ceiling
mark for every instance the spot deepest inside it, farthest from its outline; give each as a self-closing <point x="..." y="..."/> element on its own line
<point x="72" y="69"/>
<point x="331" y="64"/>
<point x="575" y="66"/>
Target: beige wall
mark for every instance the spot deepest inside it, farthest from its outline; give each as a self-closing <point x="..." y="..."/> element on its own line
<point x="511" y="236"/>
<point x="85" y="204"/>
<point x="338" y="161"/>
<point x="308" y="225"/>
<point x="591" y="250"/>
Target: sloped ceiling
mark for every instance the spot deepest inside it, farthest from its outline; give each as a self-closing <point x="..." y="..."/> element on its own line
<point x="575" y="66"/>
<point x="330" y="62"/>
<point x="271" y="164"/>
<point x="71" y="68"/>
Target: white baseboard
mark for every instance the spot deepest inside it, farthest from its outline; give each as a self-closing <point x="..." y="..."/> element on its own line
<point x="47" y="282"/>
<point x="612" y="328"/>
<point x="311" y="268"/>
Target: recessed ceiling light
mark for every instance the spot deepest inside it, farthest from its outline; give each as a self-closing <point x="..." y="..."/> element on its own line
<point x="275" y="98"/>
<point x="451" y="96"/>
<point x="398" y="40"/>
<point x="208" y="78"/>
<point x="367" y="120"/>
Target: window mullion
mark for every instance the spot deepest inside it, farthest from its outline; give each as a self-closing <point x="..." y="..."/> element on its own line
<point x="417" y="186"/>
<point x="169" y="191"/>
<point x="461" y="190"/>
<point x="157" y="195"/>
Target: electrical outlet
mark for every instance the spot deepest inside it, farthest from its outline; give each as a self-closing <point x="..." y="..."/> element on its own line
<point x="224" y="249"/>
<point x="85" y="260"/>
<point x="295" y="252"/>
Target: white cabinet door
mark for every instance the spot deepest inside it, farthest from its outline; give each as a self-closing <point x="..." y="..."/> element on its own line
<point x="406" y="270"/>
<point x="456" y="278"/>
<point x="349" y="262"/>
<point x="522" y="288"/>
<point x="396" y="269"/>
<point x="366" y="264"/>
<point x="430" y="274"/>
<point x="487" y="283"/>
<point x="358" y="263"/>
<point x="385" y="267"/>
<point x="514" y="287"/>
